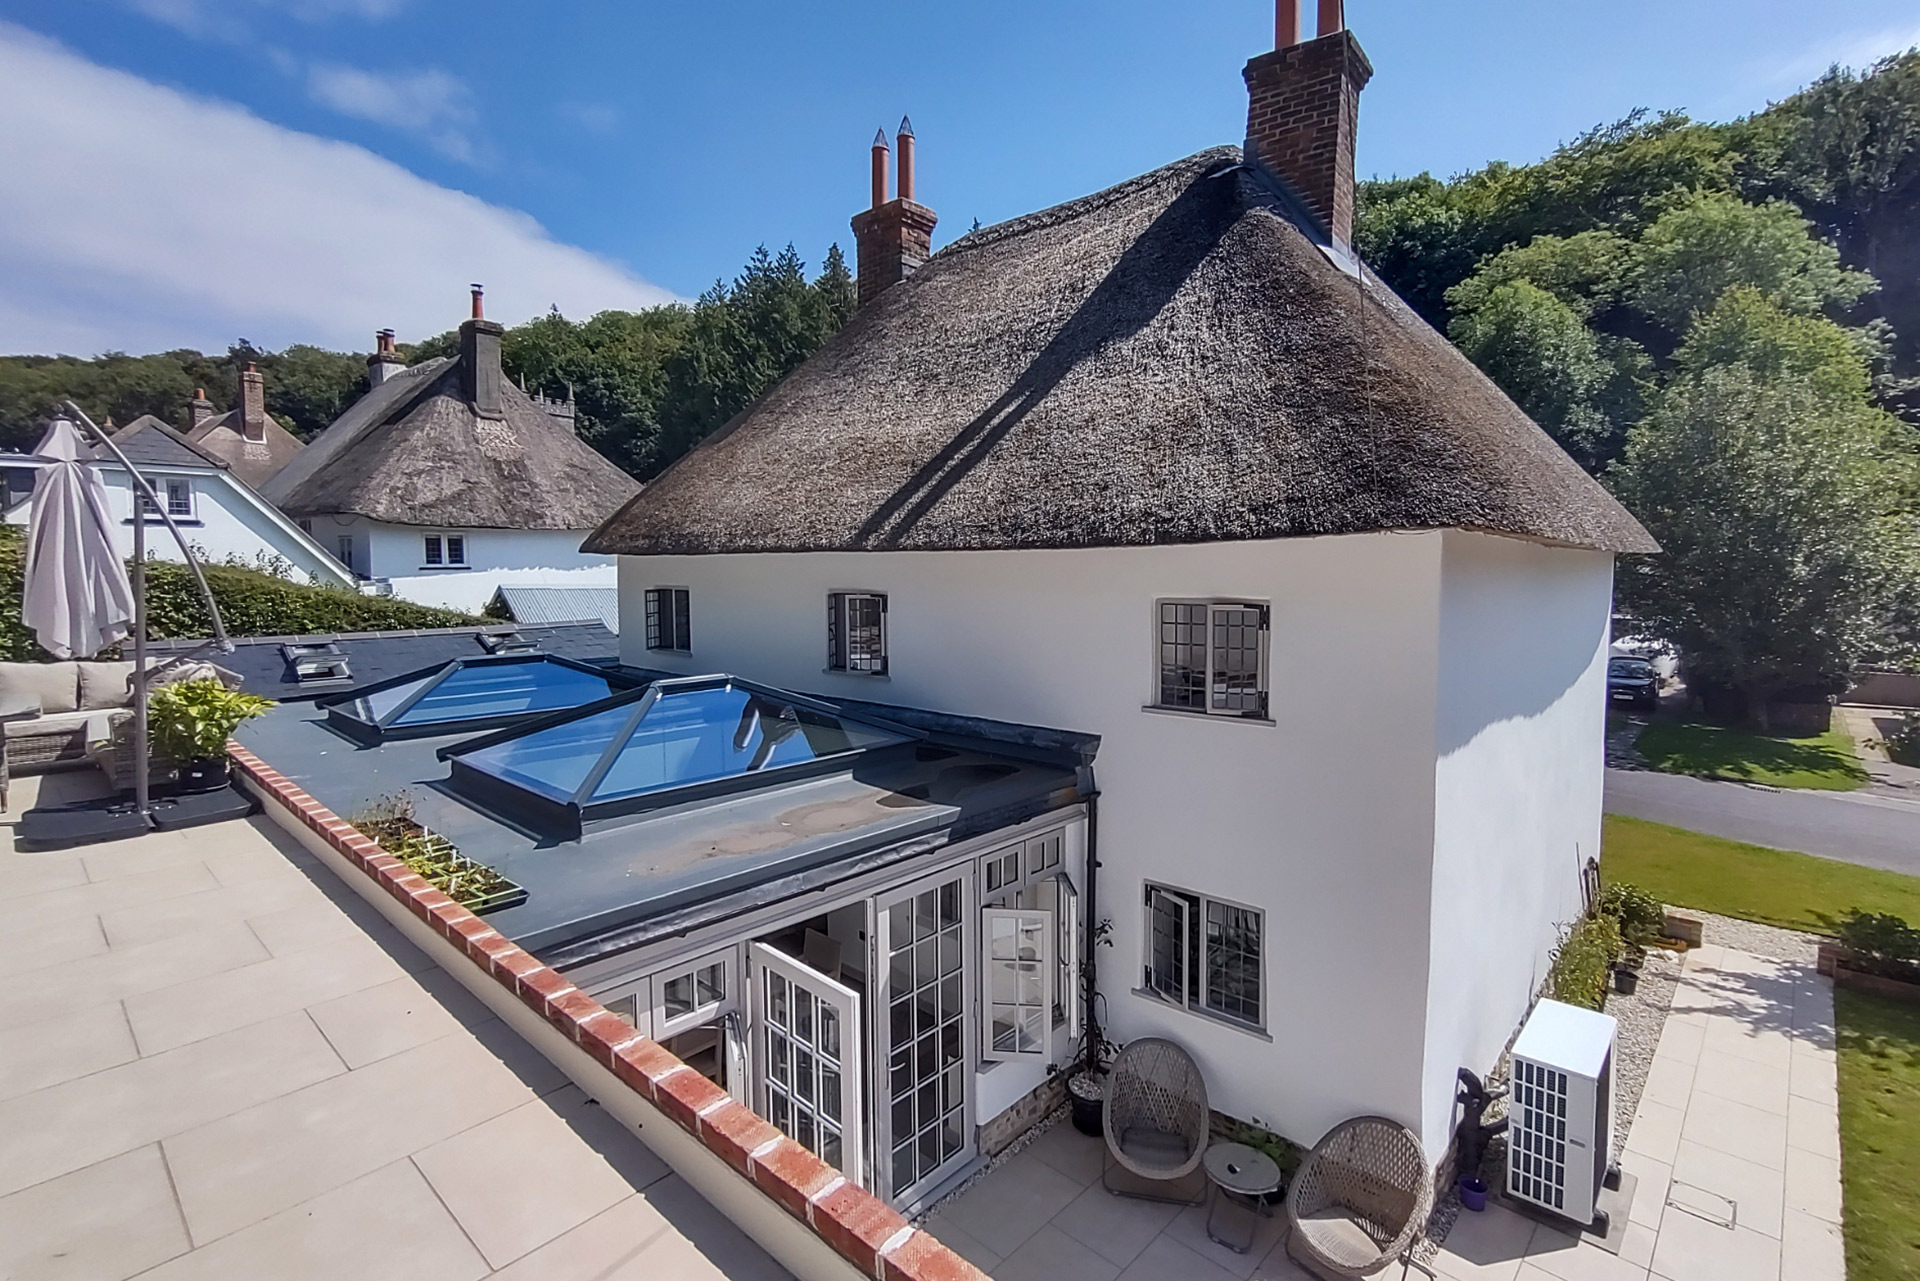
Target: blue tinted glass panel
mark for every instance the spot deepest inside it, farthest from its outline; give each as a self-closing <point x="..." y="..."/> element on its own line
<point x="379" y="704"/>
<point x="694" y="736"/>
<point x="554" y="762"/>
<point x="507" y="689"/>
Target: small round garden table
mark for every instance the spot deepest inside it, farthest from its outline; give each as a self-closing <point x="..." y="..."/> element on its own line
<point x="1244" y="1176"/>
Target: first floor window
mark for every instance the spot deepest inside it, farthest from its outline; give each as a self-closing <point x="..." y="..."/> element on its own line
<point x="343" y="546"/>
<point x="446" y="549"/>
<point x="175" y="491"/>
<point x="857" y="632"/>
<point x="1212" y="657"/>
<point x="1205" y="953"/>
<point x="669" y="619"/>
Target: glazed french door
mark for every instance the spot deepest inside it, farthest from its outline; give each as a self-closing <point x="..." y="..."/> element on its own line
<point x="807" y="1062"/>
<point x="924" y="1035"/>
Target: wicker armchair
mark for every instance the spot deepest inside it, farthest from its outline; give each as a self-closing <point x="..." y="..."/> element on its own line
<point x="1156" y="1117"/>
<point x="1361" y="1199"/>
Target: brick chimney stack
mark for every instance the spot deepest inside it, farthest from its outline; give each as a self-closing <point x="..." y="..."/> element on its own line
<point x="385" y="362"/>
<point x="199" y="409"/>
<point x="1303" y="112"/>
<point x="480" y="375"/>
<point x="895" y="236"/>
<point x="253" y="404"/>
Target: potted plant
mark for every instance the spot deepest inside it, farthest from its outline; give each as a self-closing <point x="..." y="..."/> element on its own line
<point x="191" y="722"/>
<point x="1087" y="1076"/>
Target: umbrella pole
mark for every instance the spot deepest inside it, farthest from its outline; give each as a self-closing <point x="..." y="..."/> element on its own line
<point x="142" y="785"/>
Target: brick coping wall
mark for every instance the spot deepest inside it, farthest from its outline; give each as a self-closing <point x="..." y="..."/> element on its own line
<point x="859" y="1227"/>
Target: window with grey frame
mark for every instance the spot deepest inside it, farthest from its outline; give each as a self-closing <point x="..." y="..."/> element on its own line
<point x="669" y="619"/>
<point x="857" y="633"/>
<point x="446" y="551"/>
<point x="1205" y="954"/>
<point x="1212" y="657"/>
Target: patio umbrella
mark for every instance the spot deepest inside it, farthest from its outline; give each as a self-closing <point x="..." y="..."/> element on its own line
<point x="77" y="600"/>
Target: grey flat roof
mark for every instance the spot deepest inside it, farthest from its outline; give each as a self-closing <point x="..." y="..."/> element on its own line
<point x="669" y="869"/>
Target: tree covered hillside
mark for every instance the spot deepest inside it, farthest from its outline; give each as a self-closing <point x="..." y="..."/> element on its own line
<point x="649" y="384"/>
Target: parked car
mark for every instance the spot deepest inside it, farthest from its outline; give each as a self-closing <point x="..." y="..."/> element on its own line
<point x="1633" y="681"/>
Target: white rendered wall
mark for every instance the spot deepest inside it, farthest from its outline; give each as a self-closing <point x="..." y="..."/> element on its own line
<point x="1517" y="787"/>
<point x="1323" y="820"/>
<point x="225" y="524"/>
<point x="544" y="557"/>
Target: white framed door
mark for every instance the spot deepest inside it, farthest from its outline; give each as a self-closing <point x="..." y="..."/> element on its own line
<point x="807" y="1063"/>
<point x="924" y="1033"/>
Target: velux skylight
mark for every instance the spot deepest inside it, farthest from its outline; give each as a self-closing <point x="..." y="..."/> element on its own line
<point x="470" y="694"/>
<point x="679" y="740"/>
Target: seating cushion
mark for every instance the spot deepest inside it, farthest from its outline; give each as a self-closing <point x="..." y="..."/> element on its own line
<point x="1155" y="1148"/>
<point x="56" y="685"/>
<point x="99" y="725"/>
<point x="104" y="686"/>
<point x="1341" y="1237"/>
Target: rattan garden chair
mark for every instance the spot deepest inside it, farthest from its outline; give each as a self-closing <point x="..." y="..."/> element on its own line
<point x="1361" y="1199"/>
<point x="1156" y="1117"/>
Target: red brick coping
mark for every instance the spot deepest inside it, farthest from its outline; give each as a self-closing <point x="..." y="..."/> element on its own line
<point x="859" y="1226"/>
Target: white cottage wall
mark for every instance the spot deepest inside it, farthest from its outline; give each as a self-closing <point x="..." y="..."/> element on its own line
<point x="547" y="557"/>
<point x="1517" y="784"/>
<point x="1323" y="819"/>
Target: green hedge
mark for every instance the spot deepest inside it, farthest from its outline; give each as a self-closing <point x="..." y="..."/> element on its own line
<point x="251" y="604"/>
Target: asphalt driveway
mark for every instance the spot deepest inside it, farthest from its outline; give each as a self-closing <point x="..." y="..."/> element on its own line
<point x="1868" y="827"/>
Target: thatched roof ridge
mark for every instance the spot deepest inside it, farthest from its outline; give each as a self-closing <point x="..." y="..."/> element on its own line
<point x="419" y="455"/>
<point x="1173" y="360"/>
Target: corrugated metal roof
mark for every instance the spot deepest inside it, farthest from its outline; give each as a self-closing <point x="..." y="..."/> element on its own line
<point x="532" y="604"/>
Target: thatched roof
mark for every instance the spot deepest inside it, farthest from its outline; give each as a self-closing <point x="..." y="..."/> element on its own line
<point x="413" y="452"/>
<point x="255" y="461"/>
<point x="1170" y="361"/>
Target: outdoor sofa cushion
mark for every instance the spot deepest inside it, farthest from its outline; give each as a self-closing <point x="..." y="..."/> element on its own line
<point x="104" y="686"/>
<point x="34" y="726"/>
<point x="56" y="685"/>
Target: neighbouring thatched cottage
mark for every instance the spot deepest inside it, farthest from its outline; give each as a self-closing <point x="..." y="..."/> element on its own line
<point x="245" y="438"/>
<point x="1169" y="466"/>
<point x="446" y="481"/>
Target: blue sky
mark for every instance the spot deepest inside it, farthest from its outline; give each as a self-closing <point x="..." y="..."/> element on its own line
<point x="611" y="152"/>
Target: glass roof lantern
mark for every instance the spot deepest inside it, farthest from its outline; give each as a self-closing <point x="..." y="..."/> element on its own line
<point x="466" y="695"/>
<point x="680" y="739"/>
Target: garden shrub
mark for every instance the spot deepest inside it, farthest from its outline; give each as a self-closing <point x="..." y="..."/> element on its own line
<point x="1639" y="914"/>
<point x="251" y="603"/>
<point x="1583" y="961"/>
<point x="1884" y="941"/>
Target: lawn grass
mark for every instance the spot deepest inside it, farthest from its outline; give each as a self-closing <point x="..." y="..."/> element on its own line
<point x="1825" y="762"/>
<point x="1775" y="887"/>
<point x="1879" y="1043"/>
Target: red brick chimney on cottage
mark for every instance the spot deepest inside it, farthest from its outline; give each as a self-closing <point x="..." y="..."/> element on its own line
<point x="1303" y="112"/>
<point x="895" y="236"/>
<point x="253" y="404"/>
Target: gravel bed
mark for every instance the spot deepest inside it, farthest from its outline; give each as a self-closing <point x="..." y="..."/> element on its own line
<point x="1761" y="940"/>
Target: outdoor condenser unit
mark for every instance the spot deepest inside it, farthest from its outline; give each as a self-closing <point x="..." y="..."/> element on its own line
<point x="1560" y="1110"/>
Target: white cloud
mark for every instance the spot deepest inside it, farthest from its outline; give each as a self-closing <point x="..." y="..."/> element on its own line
<point x="136" y="217"/>
<point x="226" y="19"/>
<point x="594" y="117"/>
<point x="431" y="104"/>
<point x="1856" y="49"/>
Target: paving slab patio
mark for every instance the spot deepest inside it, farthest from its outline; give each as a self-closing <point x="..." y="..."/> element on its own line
<point x="216" y="1061"/>
<point x="1739" y="1109"/>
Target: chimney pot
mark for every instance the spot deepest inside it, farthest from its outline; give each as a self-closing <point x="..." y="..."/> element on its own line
<point x="905" y="163"/>
<point x="879" y="168"/>
<point x="478" y="312"/>
<point x="1286" y="23"/>
<point x="385" y="362"/>
<point x="1333" y="16"/>
<point x="199" y="409"/>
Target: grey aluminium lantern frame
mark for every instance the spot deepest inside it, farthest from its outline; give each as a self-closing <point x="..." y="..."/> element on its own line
<point x="571" y="817"/>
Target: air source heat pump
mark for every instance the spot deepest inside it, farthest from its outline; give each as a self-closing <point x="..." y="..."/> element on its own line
<point x="1560" y="1110"/>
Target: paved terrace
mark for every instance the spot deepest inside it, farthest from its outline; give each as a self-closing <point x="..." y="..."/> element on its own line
<point x="1739" y="1108"/>
<point x="217" y="1062"/>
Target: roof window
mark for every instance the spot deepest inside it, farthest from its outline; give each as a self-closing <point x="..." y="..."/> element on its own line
<point x="470" y="694"/>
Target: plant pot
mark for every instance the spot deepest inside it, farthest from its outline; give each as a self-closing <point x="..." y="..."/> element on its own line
<point x="1088" y="1097"/>
<point x="205" y="774"/>
<point x="1473" y="1193"/>
<point x="1625" y="980"/>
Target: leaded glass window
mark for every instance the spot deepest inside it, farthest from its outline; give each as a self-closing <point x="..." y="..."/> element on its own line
<point x="1212" y="657"/>
<point x="857" y="633"/>
<point x="669" y="619"/>
<point x="1205" y="954"/>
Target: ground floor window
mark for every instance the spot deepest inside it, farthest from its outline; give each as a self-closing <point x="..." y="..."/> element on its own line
<point x="1205" y="953"/>
<point x="448" y="551"/>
